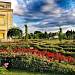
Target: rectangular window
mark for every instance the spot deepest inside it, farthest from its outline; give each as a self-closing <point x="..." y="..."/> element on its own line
<point x="1" y="6"/>
<point x="2" y="20"/>
<point x="1" y="35"/>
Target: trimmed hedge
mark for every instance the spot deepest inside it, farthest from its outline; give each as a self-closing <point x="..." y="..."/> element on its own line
<point x="35" y="64"/>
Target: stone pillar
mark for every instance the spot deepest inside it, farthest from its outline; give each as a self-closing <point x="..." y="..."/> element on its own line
<point x="5" y="35"/>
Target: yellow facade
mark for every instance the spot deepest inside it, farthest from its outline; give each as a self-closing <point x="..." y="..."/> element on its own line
<point x="5" y="18"/>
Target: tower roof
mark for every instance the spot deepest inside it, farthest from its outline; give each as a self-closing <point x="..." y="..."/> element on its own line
<point x="5" y="5"/>
<point x="5" y="2"/>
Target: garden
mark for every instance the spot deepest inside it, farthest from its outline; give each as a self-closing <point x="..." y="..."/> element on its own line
<point x="36" y="59"/>
<point x="36" y="54"/>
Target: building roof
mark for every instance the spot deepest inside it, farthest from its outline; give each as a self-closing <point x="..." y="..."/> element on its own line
<point x="5" y="2"/>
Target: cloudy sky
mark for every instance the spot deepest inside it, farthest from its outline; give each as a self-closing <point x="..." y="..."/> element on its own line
<point x="44" y="15"/>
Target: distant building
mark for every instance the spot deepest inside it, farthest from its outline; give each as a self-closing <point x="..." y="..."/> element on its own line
<point x="5" y="18"/>
<point x="56" y="37"/>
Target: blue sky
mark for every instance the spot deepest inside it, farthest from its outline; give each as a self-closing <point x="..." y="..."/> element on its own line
<point x="44" y="15"/>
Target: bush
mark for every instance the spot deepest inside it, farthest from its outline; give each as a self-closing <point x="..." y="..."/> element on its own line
<point x="3" y="46"/>
<point x="62" y="68"/>
<point x="35" y="64"/>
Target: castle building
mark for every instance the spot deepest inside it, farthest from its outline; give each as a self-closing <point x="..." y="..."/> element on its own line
<point x="5" y="18"/>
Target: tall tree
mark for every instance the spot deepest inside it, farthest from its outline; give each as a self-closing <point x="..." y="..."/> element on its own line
<point x="46" y="35"/>
<point x="26" y="32"/>
<point x="60" y="34"/>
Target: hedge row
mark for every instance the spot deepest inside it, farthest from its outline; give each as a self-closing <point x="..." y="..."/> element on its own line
<point x="34" y="64"/>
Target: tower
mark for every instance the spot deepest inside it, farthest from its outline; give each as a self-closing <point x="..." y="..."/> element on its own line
<point x="5" y="19"/>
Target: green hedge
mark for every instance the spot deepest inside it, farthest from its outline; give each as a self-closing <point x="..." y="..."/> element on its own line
<point x="34" y="64"/>
<point x="14" y="46"/>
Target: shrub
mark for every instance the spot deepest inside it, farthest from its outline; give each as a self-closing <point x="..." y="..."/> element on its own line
<point x="3" y="46"/>
<point x="35" y="64"/>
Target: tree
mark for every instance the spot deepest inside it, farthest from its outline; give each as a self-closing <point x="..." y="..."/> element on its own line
<point x="37" y="32"/>
<point x="38" y="35"/>
<point x="14" y="33"/>
<point x="73" y="35"/>
<point x="26" y="32"/>
<point x="60" y="34"/>
<point x="69" y="34"/>
<point x="44" y="35"/>
<point x="31" y="35"/>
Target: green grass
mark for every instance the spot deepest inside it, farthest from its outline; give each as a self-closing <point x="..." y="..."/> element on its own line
<point x="15" y="72"/>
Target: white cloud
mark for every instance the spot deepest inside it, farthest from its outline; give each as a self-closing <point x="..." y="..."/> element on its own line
<point x="32" y="28"/>
<point x="15" y="25"/>
<point x="6" y="0"/>
<point x="16" y="6"/>
<point x="55" y="14"/>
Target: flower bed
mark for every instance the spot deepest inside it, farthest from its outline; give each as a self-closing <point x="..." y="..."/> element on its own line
<point x="51" y="56"/>
<point x="31" y="59"/>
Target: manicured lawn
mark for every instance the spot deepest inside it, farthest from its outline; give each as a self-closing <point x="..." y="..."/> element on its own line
<point x="14" y="72"/>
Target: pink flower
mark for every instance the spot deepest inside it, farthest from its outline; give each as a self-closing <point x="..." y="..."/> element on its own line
<point x="6" y="65"/>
